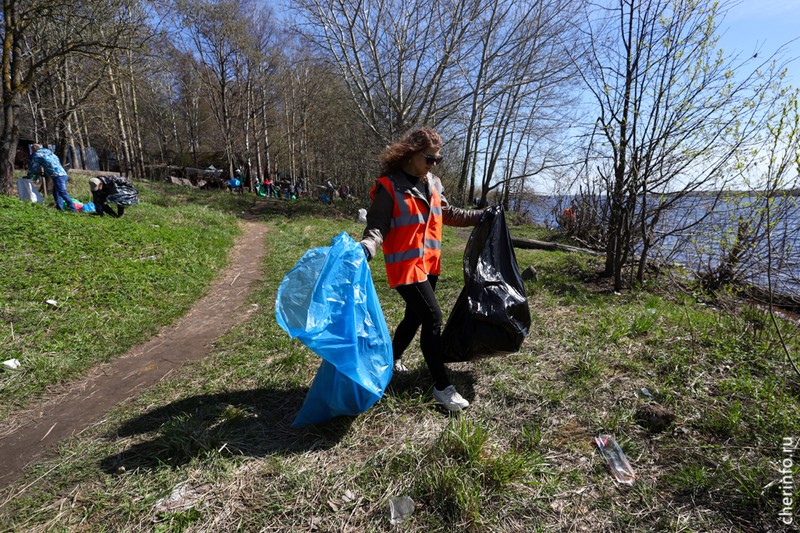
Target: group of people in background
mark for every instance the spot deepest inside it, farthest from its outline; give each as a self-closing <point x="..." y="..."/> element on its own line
<point x="106" y="190"/>
<point x="289" y="191"/>
<point x="274" y="190"/>
<point x="343" y="191"/>
<point x="118" y="190"/>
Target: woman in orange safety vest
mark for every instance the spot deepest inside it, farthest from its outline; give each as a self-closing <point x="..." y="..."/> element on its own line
<point x="405" y="219"/>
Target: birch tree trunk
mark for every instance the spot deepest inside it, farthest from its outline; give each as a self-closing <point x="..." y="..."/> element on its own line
<point x="138" y="162"/>
<point x="266" y="133"/>
<point x="123" y="130"/>
<point x="247" y="125"/>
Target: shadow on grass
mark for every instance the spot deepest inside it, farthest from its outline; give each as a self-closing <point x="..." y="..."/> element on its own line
<point x="249" y="423"/>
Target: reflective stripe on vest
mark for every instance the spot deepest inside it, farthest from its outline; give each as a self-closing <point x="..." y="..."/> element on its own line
<point x="412" y="248"/>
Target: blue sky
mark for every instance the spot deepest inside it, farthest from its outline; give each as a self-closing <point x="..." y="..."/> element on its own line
<point x="764" y="26"/>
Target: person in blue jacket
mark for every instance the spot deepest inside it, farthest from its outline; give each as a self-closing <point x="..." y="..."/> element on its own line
<point x="235" y="183"/>
<point x="43" y="160"/>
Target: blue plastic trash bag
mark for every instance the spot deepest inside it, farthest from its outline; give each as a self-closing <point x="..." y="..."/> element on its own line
<point x="328" y="301"/>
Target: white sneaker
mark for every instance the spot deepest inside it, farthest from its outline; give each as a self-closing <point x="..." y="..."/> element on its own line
<point x="401" y="369"/>
<point x="450" y="399"/>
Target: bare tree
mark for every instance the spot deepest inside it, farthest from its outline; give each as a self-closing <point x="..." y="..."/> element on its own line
<point x="519" y="79"/>
<point x="187" y="92"/>
<point x="318" y="133"/>
<point x="751" y="240"/>
<point x="22" y="65"/>
<point x="671" y="114"/>
<point x="161" y="106"/>
<point x="260" y="67"/>
<point x="217" y="37"/>
<point x="399" y="59"/>
<point x="480" y="71"/>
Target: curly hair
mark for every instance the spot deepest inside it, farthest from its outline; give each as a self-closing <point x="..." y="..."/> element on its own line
<point x="395" y="154"/>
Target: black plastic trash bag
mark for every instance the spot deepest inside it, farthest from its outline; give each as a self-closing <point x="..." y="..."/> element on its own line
<point x="124" y="196"/>
<point x="491" y="316"/>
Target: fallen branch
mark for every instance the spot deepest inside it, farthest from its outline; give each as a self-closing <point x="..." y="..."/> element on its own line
<point x="84" y="172"/>
<point x="520" y="242"/>
<point x="787" y="302"/>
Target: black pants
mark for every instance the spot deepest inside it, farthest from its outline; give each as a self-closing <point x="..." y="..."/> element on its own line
<point x="422" y="308"/>
<point x="107" y="209"/>
<point x="101" y="207"/>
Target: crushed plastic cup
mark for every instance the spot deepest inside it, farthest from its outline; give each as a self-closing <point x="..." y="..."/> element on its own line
<point x="612" y="453"/>
<point x="400" y="509"/>
<point x="182" y="498"/>
<point x="13" y="364"/>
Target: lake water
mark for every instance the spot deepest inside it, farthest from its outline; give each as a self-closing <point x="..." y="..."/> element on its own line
<point x="698" y="233"/>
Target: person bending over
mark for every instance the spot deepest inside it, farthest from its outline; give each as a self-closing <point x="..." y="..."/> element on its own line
<point x="112" y="190"/>
<point x="45" y="161"/>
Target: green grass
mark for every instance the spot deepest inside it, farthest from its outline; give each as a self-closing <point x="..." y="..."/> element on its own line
<point x="78" y="289"/>
<point x="521" y="458"/>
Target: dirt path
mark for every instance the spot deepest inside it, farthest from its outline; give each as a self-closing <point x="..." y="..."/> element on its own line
<point x="27" y="436"/>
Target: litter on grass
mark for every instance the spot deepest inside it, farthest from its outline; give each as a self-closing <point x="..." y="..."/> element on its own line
<point x="645" y="394"/>
<point x="616" y="459"/>
<point x="13" y="364"/>
<point x="183" y="497"/>
<point x="400" y="509"/>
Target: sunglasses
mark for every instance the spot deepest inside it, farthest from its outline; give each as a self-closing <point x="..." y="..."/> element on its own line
<point x="430" y="160"/>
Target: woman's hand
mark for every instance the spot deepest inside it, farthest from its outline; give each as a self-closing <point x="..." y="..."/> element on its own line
<point x="366" y="251"/>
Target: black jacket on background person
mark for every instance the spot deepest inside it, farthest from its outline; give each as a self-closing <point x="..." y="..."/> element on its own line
<point x="114" y="190"/>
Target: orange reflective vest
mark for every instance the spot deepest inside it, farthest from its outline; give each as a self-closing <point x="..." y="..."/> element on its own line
<point x="412" y="248"/>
